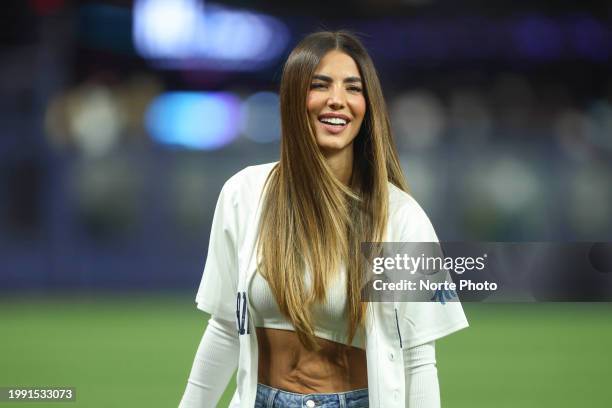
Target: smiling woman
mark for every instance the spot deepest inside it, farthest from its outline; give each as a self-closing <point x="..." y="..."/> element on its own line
<point x="284" y="258"/>
<point x="336" y="104"/>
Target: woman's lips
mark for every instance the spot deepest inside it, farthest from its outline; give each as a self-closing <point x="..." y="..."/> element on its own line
<point x="333" y="129"/>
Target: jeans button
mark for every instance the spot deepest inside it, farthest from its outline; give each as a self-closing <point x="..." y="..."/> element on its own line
<point x="310" y="404"/>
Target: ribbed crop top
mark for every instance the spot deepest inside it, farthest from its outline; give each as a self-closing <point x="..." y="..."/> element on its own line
<point x="330" y="318"/>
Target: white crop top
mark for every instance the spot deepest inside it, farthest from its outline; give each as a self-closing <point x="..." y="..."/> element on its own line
<point x="330" y="318"/>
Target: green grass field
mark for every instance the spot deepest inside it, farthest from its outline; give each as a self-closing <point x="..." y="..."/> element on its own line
<point x="136" y="351"/>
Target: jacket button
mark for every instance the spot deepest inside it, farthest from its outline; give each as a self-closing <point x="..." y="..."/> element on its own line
<point x="391" y="356"/>
<point x="310" y="403"/>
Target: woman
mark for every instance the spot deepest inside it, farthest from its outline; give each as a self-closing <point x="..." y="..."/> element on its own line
<point x="283" y="277"/>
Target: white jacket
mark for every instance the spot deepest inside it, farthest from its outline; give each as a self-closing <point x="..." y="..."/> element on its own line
<point x="390" y="326"/>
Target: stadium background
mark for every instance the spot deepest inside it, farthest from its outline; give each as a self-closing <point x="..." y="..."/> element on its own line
<point x="121" y="120"/>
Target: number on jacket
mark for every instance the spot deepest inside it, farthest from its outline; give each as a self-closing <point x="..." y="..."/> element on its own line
<point x="242" y="318"/>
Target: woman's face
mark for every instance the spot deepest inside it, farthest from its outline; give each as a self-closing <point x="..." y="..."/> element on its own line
<point x="336" y="103"/>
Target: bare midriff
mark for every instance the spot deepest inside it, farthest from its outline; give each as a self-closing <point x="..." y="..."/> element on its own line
<point x="284" y="363"/>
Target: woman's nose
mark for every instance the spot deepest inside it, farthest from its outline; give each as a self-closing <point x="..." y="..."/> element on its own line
<point x="336" y="99"/>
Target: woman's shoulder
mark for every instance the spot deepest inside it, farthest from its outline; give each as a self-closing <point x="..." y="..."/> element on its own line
<point x="401" y="201"/>
<point x="407" y="219"/>
<point x="239" y="198"/>
<point x="248" y="183"/>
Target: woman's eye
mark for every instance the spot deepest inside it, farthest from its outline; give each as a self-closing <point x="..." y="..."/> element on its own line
<point x="354" y="88"/>
<point x="313" y="86"/>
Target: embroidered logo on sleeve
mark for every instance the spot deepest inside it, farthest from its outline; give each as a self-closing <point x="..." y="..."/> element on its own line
<point x="443" y="295"/>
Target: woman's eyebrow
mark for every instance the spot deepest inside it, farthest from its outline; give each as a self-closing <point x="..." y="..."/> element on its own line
<point x="325" y="78"/>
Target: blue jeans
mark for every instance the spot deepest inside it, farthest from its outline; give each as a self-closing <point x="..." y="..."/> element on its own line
<point x="269" y="397"/>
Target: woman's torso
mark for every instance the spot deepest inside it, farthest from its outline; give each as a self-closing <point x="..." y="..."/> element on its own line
<point x="285" y="363"/>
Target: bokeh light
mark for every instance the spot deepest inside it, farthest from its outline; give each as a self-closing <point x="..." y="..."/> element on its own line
<point x="194" y="120"/>
<point x="95" y="120"/>
<point x="419" y="119"/>
<point x="187" y="34"/>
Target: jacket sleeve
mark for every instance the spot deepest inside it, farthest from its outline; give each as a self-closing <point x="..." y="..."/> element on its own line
<point x="217" y="292"/>
<point x="422" y="322"/>
<point x="421" y="374"/>
<point x="215" y="362"/>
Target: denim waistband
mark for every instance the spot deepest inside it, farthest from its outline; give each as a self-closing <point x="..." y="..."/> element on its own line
<point x="270" y="397"/>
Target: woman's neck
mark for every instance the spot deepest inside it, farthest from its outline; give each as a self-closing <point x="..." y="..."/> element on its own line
<point x="341" y="163"/>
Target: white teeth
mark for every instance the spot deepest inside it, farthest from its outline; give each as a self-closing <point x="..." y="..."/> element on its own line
<point x="333" y="121"/>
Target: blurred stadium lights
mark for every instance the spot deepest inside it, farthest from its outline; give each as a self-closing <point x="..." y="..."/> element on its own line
<point x="167" y="29"/>
<point x="106" y="192"/>
<point x="507" y="183"/>
<point x="590" y="38"/>
<point x="530" y="37"/>
<point x="192" y="34"/>
<point x="95" y="120"/>
<point x="187" y="34"/>
<point x="194" y="120"/>
<point x="419" y="119"/>
<point x="470" y="116"/>
<point x="87" y="117"/>
<point x="590" y="195"/>
<point x="134" y="97"/>
<point x="538" y="37"/>
<point x="261" y="117"/>
<point x="601" y="113"/>
<point x="512" y="184"/>
<point x="572" y="128"/>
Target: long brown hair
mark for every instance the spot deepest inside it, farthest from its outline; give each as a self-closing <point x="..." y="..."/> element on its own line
<point x="309" y="218"/>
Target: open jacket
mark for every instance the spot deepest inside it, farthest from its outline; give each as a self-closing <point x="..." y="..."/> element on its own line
<point x="389" y="326"/>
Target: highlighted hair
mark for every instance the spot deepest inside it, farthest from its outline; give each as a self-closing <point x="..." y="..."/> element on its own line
<point x="310" y="220"/>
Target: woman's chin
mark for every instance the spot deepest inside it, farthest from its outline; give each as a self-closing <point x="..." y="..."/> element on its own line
<point x="332" y="144"/>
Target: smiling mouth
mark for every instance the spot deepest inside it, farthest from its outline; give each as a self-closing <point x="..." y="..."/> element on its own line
<point x="333" y="125"/>
<point x="334" y="121"/>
